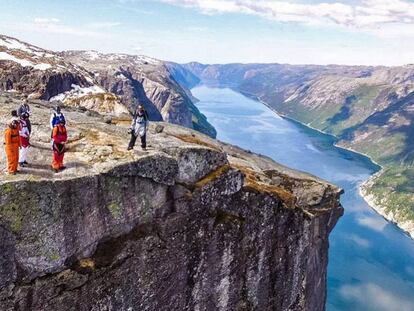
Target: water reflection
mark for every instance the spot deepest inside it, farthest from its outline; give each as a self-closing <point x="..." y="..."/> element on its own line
<point x="371" y="262"/>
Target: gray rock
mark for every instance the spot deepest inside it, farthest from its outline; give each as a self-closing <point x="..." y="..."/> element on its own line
<point x="108" y="119"/>
<point x="159" y="128"/>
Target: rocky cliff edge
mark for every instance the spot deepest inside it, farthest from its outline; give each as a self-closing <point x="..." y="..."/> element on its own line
<point x="191" y="224"/>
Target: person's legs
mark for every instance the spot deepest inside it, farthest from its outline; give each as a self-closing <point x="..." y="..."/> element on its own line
<point x="12" y="153"/>
<point x="23" y="154"/>
<point x="132" y="141"/>
<point x="144" y="141"/>
<point x="55" y="160"/>
<point x="9" y="155"/>
<point x="16" y="158"/>
<point x="61" y="156"/>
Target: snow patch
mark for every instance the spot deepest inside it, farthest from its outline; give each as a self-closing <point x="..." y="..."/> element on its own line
<point x="92" y="55"/>
<point x="22" y="62"/>
<point x="16" y="45"/>
<point x="42" y="66"/>
<point x="146" y="59"/>
<point x="120" y="75"/>
<point x="77" y="92"/>
<point x="89" y="79"/>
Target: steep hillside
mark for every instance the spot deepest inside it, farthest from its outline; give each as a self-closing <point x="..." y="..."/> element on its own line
<point x="190" y="224"/>
<point x="109" y="84"/>
<point x="369" y="109"/>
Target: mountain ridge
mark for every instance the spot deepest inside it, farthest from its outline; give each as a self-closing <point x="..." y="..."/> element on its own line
<point x="77" y="78"/>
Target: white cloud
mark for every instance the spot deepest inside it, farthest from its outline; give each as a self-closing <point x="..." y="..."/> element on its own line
<point x="41" y="20"/>
<point x="368" y="15"/>
<point x="373" y="222"/>
<point x="102" y="25"/>
<point x="54" y="25"/>
<point x="377" y="298"/>
<point x="364" y="243"/>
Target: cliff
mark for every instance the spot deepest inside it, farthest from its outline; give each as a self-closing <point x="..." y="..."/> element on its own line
<point x="106" y="83"/>
<point x="191" y="224"/>
<point x="369" y="109"/>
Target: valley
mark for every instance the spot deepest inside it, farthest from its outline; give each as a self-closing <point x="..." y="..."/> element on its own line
<point x="368" y="109"/>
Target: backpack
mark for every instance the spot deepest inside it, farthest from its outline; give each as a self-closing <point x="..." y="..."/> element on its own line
<point x="57" y="118"/>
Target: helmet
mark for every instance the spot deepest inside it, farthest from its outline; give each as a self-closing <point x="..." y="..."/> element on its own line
<point x="13" y="124"/>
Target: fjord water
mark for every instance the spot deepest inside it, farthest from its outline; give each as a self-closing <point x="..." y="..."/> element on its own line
<point x="371" y="262"/>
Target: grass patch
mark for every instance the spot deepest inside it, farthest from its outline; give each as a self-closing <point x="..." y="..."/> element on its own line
<point x="115" y="209"/>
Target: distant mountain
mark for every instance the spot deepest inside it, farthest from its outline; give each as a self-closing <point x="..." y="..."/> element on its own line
<point x="106" y="83"/>
<point x="369" y="109"/>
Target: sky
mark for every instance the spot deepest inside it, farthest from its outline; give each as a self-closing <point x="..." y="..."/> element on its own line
<point x="351" y="32"/>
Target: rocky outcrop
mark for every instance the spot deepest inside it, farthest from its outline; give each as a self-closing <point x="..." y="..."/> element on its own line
<point x="190" y="224"/>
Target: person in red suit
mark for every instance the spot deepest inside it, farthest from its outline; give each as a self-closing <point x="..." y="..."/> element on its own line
<point x="11" y="146"/>
<point x="59" y="137"/>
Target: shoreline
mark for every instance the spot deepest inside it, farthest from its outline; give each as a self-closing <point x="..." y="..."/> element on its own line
<point x="406" y="227"/>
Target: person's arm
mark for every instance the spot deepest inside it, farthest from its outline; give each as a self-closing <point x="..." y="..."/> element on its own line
<point x="65" y="136"/>
<point x="134" y="122"/>
<point x="54" y="133"/>
<point x="51" y="121"/>
<point x="7" y="137"/>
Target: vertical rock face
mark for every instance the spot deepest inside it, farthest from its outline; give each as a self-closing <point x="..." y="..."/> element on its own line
<point x="193" y="224"/>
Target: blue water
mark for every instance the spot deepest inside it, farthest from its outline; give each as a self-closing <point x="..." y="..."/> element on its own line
<point x="371" y="262"/>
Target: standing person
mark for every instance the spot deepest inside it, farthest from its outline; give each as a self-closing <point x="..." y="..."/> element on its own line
<point x="59" y="138"/>
<point x="24" y="134"/>
<point x="56" y="117"/>
<point x="14" y="116"/>
<point x="25" y="109"/>
<point x="139" y="128"/>
<point x="11" y="146"/>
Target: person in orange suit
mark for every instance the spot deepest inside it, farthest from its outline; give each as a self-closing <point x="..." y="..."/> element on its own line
<point x="11" y="146"/>
<point x="59" y="137"/>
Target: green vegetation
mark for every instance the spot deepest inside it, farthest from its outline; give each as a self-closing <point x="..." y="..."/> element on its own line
<point x="17" y="209"/>
<point x="115" y="209"/>
<point x="359" y="105"/>
<point x="386" y="138"/>
<point x="394" y="189"/>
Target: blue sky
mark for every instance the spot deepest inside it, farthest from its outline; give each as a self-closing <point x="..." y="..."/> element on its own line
<point x="376" y="32"/>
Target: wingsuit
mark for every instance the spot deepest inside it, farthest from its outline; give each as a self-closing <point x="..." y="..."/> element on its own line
<point x="24" y="133"/>
<point x="11" y="146"/>
<point x="139" y="128"/>
<point x="59" y="137"/>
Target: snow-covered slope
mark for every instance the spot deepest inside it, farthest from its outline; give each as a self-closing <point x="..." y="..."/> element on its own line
<point x="43" y="74"/>
<point x="107" y="83"/>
